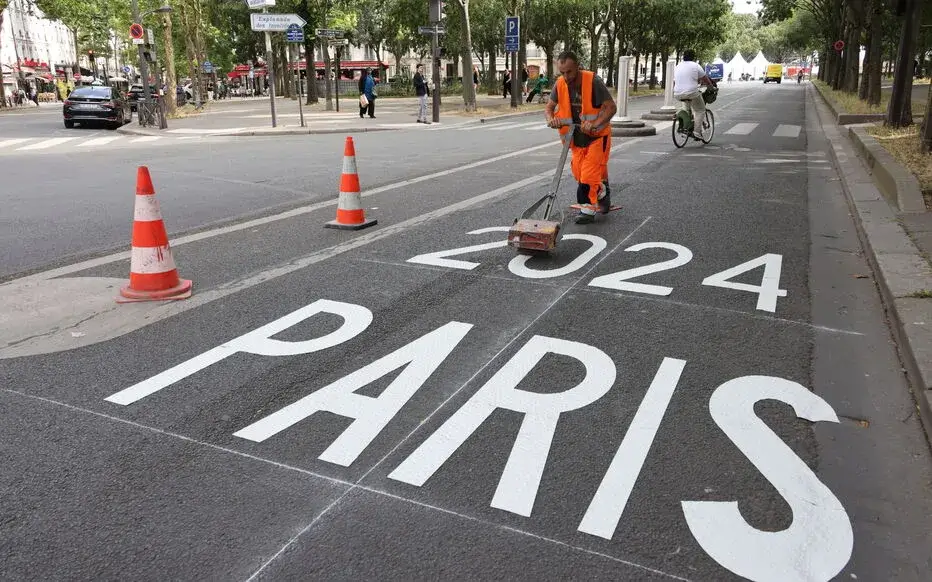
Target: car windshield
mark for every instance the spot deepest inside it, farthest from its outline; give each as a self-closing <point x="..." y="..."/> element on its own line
<point x="95" y="92"/>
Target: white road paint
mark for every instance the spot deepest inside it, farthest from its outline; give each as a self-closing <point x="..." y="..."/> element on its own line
<point x="620" y="281"/>
<point x="514" y="126"/>
<point x="612" y="496"/>
<point x="819" y="541"/>
<point x="249" y="224"/>
<point x="45" y="144"/>
<point x="439" y="258"/>
<point x="517" y="488"/>
<point x="98" y="141"/>
<point x="146" y="139"/>
<point x="742" y="129"/>
<point x="787" y="131"/>
<point x="7" y="143"/>
<point x="769" y="289"/>
<point x="420" y="359"/>
<point x="518" y="265"/>
<point x="259" y="341"/>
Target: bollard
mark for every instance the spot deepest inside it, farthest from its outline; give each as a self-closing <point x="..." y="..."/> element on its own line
<point x="668" y="89"/>
<point x="622" y="125"/>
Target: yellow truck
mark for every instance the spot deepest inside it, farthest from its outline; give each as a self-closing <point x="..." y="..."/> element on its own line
<point x="774" y="73"/>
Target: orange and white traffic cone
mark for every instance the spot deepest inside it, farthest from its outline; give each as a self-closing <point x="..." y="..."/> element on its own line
<point x="153" y="276"/>
<point x="350" y="213"/>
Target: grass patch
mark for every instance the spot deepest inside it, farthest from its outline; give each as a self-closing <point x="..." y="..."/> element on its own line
<point x="492" y="110"/>
<point x="924" y="294"/>
<point x="903" y="145"/>
<point x="641" y="92"/>
<point x="188" y="110"/>
<point x="849" y="102"/>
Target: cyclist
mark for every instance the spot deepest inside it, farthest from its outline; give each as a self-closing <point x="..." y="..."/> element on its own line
<point x="688" y="76"/>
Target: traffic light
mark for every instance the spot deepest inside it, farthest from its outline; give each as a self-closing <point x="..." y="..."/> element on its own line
<point x="438" y="11"/>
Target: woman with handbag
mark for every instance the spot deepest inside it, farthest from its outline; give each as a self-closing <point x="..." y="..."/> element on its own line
<point x="367" y="94"/>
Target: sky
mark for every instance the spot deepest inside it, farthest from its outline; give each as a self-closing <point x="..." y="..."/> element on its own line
<point x="745" y="6"/>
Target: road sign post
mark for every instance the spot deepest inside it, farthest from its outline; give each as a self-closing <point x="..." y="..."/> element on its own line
<point x="267" y="23"/>
<point x="512" y="45"/>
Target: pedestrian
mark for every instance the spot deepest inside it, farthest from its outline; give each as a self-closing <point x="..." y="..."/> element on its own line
<point x="506" y="84"/>
<point x="580" y="97"/>
<point x="367" y="94"/>
<point x="422" y="91"/>
<point x="539" y="86"/>
<point x="524" y="78"/>
<point x="475" y="77"/>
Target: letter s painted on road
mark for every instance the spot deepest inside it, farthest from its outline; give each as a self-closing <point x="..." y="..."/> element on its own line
<point x="819" y="542"/>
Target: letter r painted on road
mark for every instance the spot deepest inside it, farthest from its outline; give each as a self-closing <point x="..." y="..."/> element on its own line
<point x="356" y="319"/>
<point x="819" y="541"/>
<point x="517" y="488"/>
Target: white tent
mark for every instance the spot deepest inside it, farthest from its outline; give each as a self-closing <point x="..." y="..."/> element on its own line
<point x="718" y="60"/>
<point x="758" y="66"/>
<point x="736" y="67"/>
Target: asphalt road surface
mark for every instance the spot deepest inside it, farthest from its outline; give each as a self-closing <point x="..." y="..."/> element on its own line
<point x="700" y="386"/>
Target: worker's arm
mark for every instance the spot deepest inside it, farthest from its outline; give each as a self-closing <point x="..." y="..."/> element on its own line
<point x="605" y="115"/>
<point x="549" y="112"/>
<point x="608" y="107"/>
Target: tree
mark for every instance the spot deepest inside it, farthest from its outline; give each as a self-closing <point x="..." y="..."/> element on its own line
<point x="3" y="5"/>
<point x="547" y="25"/>
<point x="469" y="90"/>
<point x="899" y="112"/>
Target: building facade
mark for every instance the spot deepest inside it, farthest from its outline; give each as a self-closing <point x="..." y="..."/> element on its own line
<point x="33" y="50"/>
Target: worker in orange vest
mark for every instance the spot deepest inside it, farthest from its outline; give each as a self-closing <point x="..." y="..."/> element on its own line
<point x="580" y="97"/>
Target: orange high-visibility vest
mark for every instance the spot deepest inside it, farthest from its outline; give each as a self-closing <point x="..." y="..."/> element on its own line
<point x="564" y="112"/>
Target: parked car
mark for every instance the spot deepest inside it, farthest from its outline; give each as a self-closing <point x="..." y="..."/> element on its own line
<point x="135" y="94"/>
<point x="96" y="104"/>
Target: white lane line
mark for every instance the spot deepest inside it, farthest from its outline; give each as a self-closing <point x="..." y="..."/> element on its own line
<point x="333" y="480"/>
<point x="742" y="129"/>
<point x="146" y="139"/>
<point x="12" y="142"/>
<point x="787" y="131"/>
<point x="77" y="267"/>
<point x="481" y="126"/>
<point x="427" y="418"/>
<point x="98" y="141"/>
<point x="49" y="143"/>
<point x="515" y="126"/>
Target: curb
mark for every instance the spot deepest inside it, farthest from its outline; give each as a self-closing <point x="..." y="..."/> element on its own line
<point x="899" y="268"/>
<point x="843" y="118"/>
<point x="895" y="181"/>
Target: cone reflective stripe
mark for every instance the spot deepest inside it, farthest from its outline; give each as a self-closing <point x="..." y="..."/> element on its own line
<point x="350" y="213"/>
<point x="153" y="275"/>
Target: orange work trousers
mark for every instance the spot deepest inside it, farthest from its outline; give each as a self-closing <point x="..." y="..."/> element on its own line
<point x="590" y="167"/>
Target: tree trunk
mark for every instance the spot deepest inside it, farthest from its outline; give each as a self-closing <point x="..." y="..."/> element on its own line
<point x="310" y="70"/>
<point x="550" y="72"/>
<point x="899" y="112"/>
<point x="652" y="81"/>
<point x="287" y="72"/>
<point x="2" y="90"/>
<point x="612" y="37"/>
<point x="664" y="57"/>
<point x="852" y="51"/>
<point x="469" y="91"/>
<point x="594" y="36"/>
<point x="171" y="79"/>
<point x="637" y="70"/>
<point x="328" y="86"/>
<point x="927" y="126"/>
<point x="492" y="71"/>
<point x="875" y="54"/>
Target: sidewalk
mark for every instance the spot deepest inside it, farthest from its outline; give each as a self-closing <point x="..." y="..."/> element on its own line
<point x="30" y="107"/>
<point x="899" y="248"/>
<point x="252" y="116"/>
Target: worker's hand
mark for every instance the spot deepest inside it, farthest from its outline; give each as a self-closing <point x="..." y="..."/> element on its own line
<point x="553" y="122"/>
<point x="586" y="126"/>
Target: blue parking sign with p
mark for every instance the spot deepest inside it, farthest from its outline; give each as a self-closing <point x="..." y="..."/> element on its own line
<point x="512" y="33"/>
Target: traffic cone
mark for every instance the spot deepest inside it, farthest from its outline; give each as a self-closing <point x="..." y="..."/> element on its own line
<point x="153" y="276"/>
<point x="350" y="213"/>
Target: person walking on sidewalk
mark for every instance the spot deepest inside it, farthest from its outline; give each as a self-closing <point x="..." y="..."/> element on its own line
<point x="367" y="90"/>
<point x="423" y="92"/>
<point x="581" y="98"/>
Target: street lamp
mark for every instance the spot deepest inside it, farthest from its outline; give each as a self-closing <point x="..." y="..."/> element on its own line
<point x="160" y="10"/>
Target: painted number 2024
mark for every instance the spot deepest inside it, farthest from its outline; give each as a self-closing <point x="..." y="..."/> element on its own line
<point x="767" y="292"/>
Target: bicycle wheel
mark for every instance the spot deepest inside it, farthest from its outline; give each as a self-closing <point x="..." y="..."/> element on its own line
<point x="708" y="132"/>
<point x="679" y="134"/>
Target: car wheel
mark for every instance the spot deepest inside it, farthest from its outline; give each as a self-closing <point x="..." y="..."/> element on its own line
<point x="69" y="124"/>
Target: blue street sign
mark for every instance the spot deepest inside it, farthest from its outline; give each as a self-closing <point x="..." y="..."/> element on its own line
<point x="208" y="67"/>
<point x="512" y="26"/>
<point x="294" y="33"/>
<point x="715" y="71"/>
<point x="126" y="69"/>
<point x="511" y="44"/>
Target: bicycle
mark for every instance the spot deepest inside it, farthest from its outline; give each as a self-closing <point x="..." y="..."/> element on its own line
<point x="684" y="123"/>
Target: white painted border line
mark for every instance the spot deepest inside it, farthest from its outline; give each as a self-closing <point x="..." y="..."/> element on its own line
<point x="91" y="263"/>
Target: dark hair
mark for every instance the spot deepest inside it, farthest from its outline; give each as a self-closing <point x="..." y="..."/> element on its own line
<point x="418" y="66"/>
<point x="568" y="56"/>
<point x="689" y="55"/>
